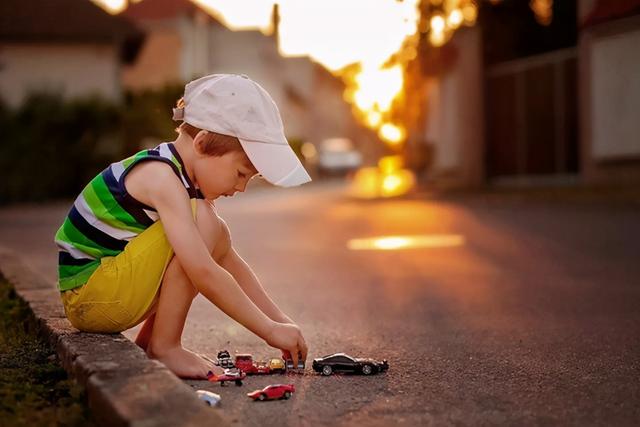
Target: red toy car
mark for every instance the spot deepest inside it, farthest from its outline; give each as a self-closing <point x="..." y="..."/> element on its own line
<point x="273" y="391"/>
<point x="245" y="363"/>
<point x="234" y="375"/>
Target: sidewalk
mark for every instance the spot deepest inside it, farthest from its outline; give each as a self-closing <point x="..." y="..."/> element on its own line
<point x="124" y="387"/>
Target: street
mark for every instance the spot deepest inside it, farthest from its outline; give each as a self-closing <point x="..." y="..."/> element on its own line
<point x="530" y="315"/>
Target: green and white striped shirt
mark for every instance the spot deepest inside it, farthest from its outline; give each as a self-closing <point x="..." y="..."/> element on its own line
<point x="105" y="217"/>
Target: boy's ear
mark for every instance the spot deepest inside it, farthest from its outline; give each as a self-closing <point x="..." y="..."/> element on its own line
<point x="198" y="140"/>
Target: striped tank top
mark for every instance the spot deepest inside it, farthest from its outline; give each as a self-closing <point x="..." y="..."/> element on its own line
<point x="105" y="217"/>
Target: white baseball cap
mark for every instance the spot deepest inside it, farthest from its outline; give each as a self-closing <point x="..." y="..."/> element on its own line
<point x="235" y="105"/>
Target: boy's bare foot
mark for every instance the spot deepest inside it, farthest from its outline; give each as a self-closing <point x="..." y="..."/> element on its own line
<point x="185" y="363"/>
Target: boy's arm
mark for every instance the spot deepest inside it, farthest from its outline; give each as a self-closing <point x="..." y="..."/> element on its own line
<point x="246" y="278"/>
<point x="171" y="200"/>
<point x="164" y="191"/>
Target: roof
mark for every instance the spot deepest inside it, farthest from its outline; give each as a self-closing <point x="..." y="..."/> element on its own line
<point x="160" y="9"/>
<point x="51" y="21"/>
<point x="607" y="10"/>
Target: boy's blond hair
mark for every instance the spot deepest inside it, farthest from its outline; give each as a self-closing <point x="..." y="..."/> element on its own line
<point x="213" y="144"/>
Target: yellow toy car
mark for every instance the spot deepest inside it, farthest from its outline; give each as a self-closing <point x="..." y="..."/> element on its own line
<point x="277" y="366"/>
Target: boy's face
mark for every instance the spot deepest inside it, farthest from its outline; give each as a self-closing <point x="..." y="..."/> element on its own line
<point x="222" y="176"/>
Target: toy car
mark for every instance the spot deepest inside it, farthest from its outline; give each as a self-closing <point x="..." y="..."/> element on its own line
<point x="301" y="364"/>
<point x="245" y="363"/>
<point x="277" y="366"/>
<point x="289" y="361"/>
<point x="273" y="391"/>
<point x="233" y="374"/>
<point x="224" y="359"/>
<point x="210" y="398"/>
<point x="340" y="362"/>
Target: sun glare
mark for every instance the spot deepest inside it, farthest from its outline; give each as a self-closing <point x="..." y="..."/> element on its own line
<point x="388" y="243"/>
<point x="337" y="33"/>
<point x="241" y="14"/>
<point x="112" y="6"/>
<point x="377" y="87"/>
<point x="391" y="133"/>
<point x="388" y="179"/>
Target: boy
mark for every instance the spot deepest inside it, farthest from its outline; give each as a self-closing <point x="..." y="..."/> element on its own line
<point x="116" y="263"/>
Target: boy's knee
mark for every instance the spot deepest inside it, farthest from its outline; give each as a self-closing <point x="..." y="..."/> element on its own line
<point x="207" y="220"/>
<point x="204" y="214"/>
<point x="213" y="229"/>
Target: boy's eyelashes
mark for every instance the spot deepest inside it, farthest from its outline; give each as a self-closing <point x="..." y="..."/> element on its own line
<point x="249" y="174"/>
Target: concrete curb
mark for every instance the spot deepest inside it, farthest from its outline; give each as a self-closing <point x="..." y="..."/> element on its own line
<point x="124" y="387"/>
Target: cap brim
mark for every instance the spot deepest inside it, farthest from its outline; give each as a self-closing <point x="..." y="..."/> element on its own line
<point x="277" y="163"/>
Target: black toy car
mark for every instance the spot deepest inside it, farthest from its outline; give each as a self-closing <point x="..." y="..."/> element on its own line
<point x="224" y="359"/>
<point x="340" y="362"/>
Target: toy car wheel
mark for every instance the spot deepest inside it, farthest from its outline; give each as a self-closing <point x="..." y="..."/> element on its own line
<point x="238" y="382"/>
<point x="367" y="370"/>
<point x="222" y="383"/>
<point x="287" y="394"/>
<point x="326" y="370"/>
<point x="262" y="397"/>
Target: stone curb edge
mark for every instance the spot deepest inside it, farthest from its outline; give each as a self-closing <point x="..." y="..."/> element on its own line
<point x="124" y="387"/>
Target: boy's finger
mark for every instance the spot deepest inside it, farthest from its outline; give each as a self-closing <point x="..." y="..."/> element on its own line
<point x="303" y="349"/>
<point x="294" y="357"/>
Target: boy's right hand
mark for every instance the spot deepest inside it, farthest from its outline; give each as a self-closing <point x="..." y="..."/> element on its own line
<point x="288" y="338"/>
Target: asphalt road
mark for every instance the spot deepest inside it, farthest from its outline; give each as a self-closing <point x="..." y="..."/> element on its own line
<point x="531" y="319"/>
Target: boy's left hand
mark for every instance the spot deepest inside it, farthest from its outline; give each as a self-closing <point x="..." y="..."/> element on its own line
<point x="288" y="338"/>
<point x="302" y="353"/>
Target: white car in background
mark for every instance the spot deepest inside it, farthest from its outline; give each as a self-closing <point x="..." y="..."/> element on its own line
<point x="337" y="156"/>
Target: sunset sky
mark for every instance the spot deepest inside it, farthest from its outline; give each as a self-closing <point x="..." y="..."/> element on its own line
<point x="333" y="32"/>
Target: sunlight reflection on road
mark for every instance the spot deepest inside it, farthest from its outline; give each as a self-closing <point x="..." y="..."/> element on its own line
<point x="407" y="242"/>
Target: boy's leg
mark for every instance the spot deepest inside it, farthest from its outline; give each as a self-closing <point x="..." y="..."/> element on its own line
<point x="176" y="294"/>
<point x="144" y="335"/>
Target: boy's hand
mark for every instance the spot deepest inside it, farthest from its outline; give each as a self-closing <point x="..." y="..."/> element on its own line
<point x="288" y="338"/>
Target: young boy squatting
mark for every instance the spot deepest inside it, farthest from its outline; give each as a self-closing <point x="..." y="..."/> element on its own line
<point x="116" y="246"/>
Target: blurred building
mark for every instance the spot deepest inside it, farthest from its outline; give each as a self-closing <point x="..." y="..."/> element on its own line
<point x="510" y="101"/>
<point x="609" y="90"/>
<point x="184" y="41"/>
<point x="44" y="47"/>
<point x="177" y="46"/>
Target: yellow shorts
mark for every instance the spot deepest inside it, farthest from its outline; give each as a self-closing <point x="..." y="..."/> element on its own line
<point x="124" y="288"/>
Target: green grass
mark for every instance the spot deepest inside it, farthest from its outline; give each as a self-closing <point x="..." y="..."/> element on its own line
<point x="34" y="389"/>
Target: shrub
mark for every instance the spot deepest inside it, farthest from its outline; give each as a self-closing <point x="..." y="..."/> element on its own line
<point x="51" y="147"/>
